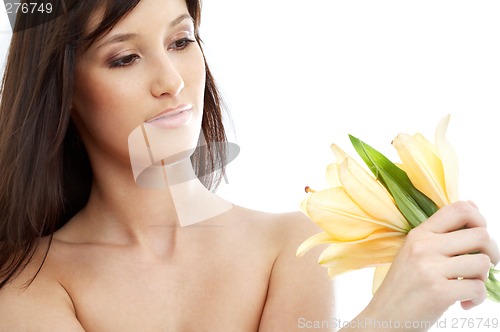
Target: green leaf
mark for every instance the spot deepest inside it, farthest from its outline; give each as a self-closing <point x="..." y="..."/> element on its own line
<point x="413" y="204"/>
<point x="493" y="285"/>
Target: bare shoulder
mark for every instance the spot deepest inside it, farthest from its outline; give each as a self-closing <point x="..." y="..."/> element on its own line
<point x="296" y="227"/>
<point x="39" y="304"/>
<point x="287" y="231"/>
<point x="283" y="232"/>
<point x="284" y="228"/>
<point x="299" y="289"/>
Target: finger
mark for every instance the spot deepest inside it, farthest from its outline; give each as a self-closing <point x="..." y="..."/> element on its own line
<point x="495" y="259"/>
<point x="453" y="217"/>
<point x="473" y="204"/>
<point x="470" y="292"/>
<point x="474" y="266"/>
<point x="471" y="240"/>
<point x="466" y="305"/>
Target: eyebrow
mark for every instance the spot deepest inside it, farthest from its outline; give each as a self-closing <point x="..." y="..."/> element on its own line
<point x="128" y="36"/>
<point x="180" y="19"/>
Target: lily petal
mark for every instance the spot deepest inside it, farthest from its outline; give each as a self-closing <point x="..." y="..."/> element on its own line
<point x="332" y="175"/>
<point x="340" y="154"/>
<point x="315" y="240"/>
<point x="325" y="238"/>
<point x="370" y="195"/>
<point x="422" y="165"/>
<point x="340" y="258"/>
<point x="448" y="159"/>
<point x="379" y="276"/>
<point x="338" y="215"/>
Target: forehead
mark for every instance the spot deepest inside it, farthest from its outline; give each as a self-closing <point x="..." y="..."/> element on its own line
<point x="146" y="14"/>
<point x="141" y="14"/>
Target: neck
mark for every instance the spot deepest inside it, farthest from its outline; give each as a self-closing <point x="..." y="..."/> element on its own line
<point x="167" y="197"/>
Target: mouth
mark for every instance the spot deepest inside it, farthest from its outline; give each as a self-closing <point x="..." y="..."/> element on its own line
<point x="172" y="118"/>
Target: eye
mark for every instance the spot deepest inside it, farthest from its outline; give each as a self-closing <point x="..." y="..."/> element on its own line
<point x="124" y="61"/>
<point x="181" y="44"/>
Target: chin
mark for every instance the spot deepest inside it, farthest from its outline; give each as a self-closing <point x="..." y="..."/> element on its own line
<point x="151" y="145"/>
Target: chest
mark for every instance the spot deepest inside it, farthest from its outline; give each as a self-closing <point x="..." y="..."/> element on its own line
<point x="189" y="293"/>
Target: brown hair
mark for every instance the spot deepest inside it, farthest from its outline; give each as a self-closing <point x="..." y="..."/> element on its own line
<point x="45" y="174"/>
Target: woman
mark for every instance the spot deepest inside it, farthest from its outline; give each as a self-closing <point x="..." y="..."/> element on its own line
<point x="104" y="227"/>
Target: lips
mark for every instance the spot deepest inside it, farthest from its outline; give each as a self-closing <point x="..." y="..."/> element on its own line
<point x="172" y="118"/>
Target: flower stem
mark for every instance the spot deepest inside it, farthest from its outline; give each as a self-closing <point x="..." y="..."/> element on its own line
<point x="493" y="285"/>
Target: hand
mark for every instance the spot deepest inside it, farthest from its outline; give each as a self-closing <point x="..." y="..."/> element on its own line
<point x="435" y="267"/>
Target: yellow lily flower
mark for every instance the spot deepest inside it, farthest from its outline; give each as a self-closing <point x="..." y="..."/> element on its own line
<point x="360" y="214"/>
<point x="359" y="217"/>
<point x="370" y="253"/>
<point x="339" y="216"/>
<point x="432" y="169"/>
<point x="367" y="192"/>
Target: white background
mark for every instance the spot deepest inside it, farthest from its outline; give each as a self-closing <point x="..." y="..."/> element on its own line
<point x="300" y="75"/>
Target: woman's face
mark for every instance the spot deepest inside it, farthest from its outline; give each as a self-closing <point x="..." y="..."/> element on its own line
<point x="146" y="74"/>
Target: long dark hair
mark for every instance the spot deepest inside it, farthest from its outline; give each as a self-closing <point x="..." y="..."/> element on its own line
<point x="45" y="173"/>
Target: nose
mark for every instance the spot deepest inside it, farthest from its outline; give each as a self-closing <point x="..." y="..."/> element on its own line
<point x="167" y="79"/>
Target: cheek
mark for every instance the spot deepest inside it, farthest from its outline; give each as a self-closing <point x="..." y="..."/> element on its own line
<point x="98" y="106"/>
<point x="194" y="76"/>
<point x="99" y="114"/>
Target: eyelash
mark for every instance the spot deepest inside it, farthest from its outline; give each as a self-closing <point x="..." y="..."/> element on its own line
<point x="185" y="43"/>
<point x="123" y="61"/>
<point x="128" y="60"/>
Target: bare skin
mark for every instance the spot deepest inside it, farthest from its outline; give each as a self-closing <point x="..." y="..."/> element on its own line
<point x="123" y="263"/>
<point x="232" y="273"/>
<point x="433" y="269"/>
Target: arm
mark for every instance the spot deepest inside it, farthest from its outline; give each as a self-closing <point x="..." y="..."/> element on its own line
<point x="300" y="292"/>
<point x="44" y="306"/>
